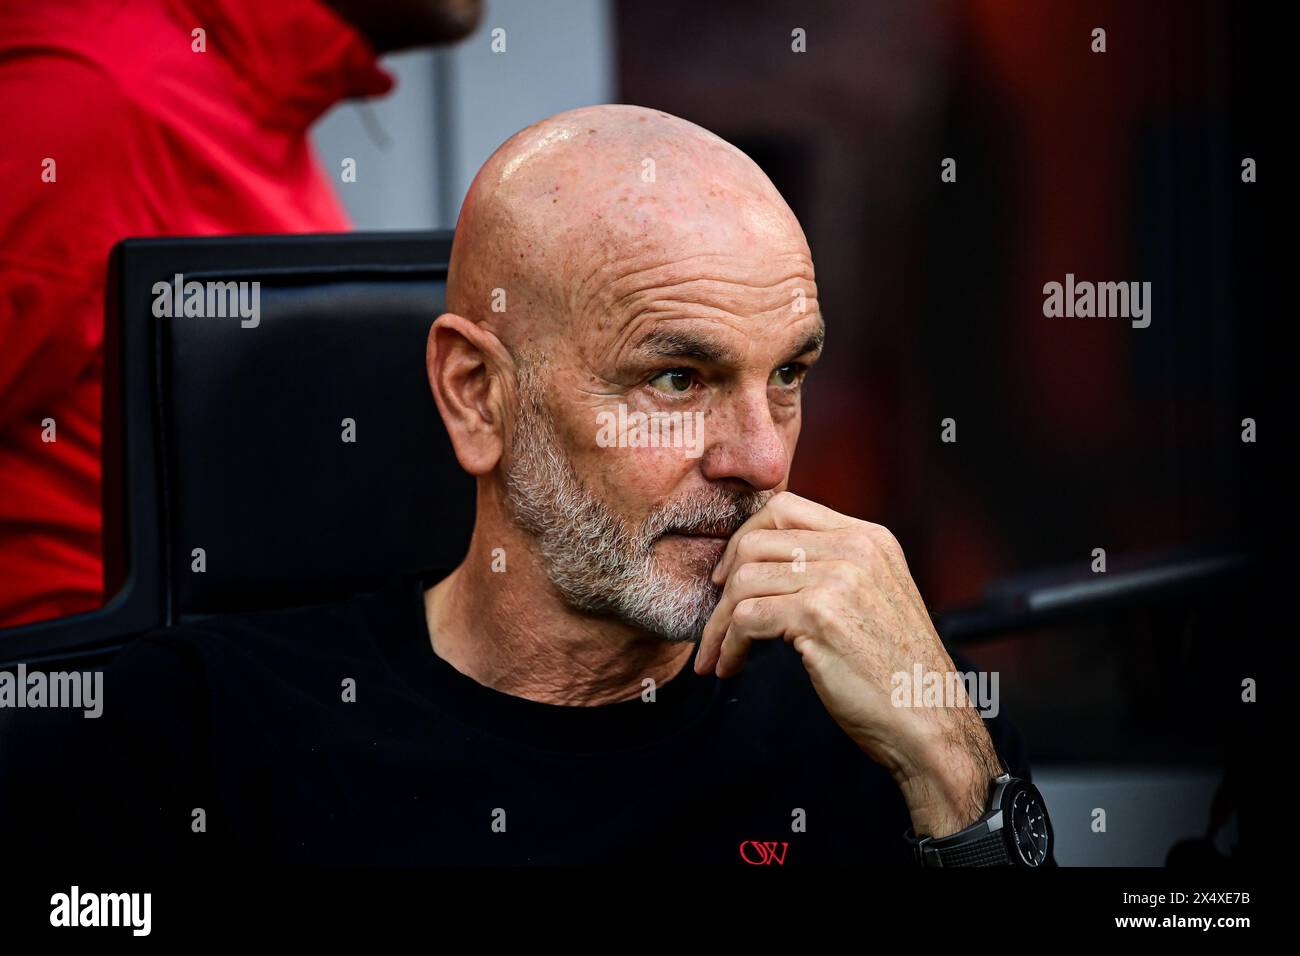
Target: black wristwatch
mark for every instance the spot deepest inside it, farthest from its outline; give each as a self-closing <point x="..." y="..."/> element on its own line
<point x="1015" y="831"/>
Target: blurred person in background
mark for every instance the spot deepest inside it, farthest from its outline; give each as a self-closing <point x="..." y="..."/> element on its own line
<point x="145" y="118"/>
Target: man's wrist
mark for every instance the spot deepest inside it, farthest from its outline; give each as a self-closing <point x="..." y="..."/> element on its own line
<point x="940" y="807"/>
<point x="949" y="791"/>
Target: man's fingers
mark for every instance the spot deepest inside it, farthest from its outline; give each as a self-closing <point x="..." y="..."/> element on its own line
<point x="757" y="619"/>
<point x="784" y="511"/>
<point x="796" y="546"/>
<point x="750" y="580"/>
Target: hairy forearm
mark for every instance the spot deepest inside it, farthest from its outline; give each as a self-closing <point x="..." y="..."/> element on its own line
<point x="946" y="786"/>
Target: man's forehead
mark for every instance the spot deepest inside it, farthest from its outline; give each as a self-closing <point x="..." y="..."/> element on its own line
<point x="694" y="270"/>
<point x="711" y="307"/>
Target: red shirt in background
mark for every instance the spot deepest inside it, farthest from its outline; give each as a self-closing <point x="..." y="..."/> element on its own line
<point x="148" y="137"/>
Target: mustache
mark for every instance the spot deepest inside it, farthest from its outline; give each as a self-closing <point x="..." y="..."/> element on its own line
<point x="712" y="512"/>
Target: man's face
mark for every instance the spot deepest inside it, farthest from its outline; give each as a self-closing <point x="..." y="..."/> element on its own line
<point x="641" y="448"/>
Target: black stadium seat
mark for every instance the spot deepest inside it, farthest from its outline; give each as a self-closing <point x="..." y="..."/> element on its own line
<point x="288" y="462"/>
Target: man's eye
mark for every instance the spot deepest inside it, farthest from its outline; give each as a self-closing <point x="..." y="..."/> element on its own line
<point x="675" y="381"/>
<point x="788" y="375"/>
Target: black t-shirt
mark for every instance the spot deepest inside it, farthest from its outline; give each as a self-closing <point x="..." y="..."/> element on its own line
<point x="335" y="735"/>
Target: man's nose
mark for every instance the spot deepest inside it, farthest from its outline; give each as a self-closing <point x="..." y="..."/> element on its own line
<point x="743" y="443"/>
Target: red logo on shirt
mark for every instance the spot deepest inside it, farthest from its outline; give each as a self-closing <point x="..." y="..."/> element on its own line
<point x="763" y="853"/>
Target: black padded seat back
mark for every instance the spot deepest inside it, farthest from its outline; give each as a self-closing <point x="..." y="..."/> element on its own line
<point x="304" y="458"/>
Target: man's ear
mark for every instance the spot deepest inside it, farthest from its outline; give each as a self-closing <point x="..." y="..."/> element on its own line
<point x="466" y="364"/>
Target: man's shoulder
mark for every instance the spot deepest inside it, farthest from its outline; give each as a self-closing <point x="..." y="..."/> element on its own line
<point x="295" y="639"/>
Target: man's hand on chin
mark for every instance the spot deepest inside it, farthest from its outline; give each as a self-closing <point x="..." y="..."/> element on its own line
<point x="838" y="589"/>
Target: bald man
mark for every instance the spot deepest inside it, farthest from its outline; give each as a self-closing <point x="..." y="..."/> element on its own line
<point x="652" y="651"/>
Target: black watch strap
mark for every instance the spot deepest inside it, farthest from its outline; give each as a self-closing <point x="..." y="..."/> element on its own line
<point x="983" y="843"/>
<point x="987" y="850"/>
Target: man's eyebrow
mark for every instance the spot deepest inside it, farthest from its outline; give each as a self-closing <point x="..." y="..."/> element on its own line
<point x="812" y="343"/>
<point x="669" y="343"/>
<point x="681" y="343"/>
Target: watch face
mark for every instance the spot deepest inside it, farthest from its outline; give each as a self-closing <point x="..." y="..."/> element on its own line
<point x="1030" y="830"/>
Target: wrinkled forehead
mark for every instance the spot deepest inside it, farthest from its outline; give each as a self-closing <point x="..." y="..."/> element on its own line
<point x="721" y="308"/>
<point x="677" y="238"/>
<point x="731" y="262"/>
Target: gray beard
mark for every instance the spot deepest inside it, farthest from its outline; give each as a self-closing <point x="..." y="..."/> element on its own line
<point x="595" y="561"/>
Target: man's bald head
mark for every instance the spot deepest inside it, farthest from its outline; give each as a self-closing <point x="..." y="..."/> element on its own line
<point x="568" y="212"/>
